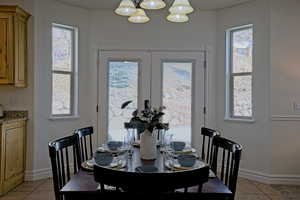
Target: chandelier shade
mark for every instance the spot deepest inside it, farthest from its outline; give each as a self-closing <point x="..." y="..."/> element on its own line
<point x="178" y="18"/>
<point x="135" y="10"/>
<point x="126" y="8"/>
<point x="181" y="7"/>
<point x="153" y="4"/>
<point x="139" y="17"/>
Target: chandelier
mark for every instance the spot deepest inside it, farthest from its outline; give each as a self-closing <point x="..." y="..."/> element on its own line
<point x="135" y="10"/>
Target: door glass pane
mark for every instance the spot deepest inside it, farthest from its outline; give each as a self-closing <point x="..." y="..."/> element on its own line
<point x="242" y="43"/>
<point x="242" y="96"/>
<point x="177" y="97"/>
<point x="123" y="86"/>
<point x="61" y="95"/>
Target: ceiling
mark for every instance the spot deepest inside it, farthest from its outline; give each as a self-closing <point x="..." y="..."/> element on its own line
<point x="198" y="4"/>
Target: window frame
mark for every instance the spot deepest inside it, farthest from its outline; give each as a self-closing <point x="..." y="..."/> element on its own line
<point x="73" y="73"/>
<point x="230" y="75"/>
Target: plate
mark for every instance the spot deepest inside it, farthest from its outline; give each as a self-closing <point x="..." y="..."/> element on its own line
<point x="104" y="149"/>
<point x="177" y="167"/>
<point x="116" y="164"/>
<point x="187" y="150"/>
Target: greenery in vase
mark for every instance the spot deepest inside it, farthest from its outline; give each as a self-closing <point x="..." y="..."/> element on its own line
<point x="149" y="118"/>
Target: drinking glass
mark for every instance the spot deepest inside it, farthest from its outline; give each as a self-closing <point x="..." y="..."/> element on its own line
<point x="128" y="142"/>
<point x="168" y="137"/>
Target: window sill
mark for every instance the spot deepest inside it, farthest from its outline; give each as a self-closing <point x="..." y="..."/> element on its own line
<point x="230" y="119"/>
<point x="54" y="118"/>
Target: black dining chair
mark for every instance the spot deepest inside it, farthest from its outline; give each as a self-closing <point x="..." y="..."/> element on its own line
<point x="62" y="152"/>
<point x="230" y="161"/>
<point x="150" y="184"/>
<point x="207" y="137"/>
<point x="85" y="142"/>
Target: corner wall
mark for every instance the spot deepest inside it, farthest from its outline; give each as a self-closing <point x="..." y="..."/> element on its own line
<point x="285" y="79"/>
<point x="271" y="143"/>
<point x="45" y="129"/>
<point x="255" y="137"/>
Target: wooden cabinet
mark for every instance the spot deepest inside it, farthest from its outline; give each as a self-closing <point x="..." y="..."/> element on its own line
<point x="13" y="46"/>
<point x="12" y="160"/>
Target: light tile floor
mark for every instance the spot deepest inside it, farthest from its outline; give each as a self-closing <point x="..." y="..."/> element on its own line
<point x="246" y="190"/>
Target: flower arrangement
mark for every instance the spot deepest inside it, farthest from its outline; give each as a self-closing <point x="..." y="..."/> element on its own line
<point x="147" y="119"/>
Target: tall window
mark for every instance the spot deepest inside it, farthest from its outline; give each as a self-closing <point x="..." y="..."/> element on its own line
<point x="64" y="70"/>
<point x="239" y="72"/>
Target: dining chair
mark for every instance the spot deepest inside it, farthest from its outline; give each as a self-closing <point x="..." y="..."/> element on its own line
<point x="62" y="152"/>
<point x="207" y="137"/>
<point x="230" y="161"/>
<point x="150" y="183"/>
<point x="85" y="142"/>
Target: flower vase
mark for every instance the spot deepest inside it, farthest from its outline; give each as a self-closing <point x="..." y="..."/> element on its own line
<point x="148" y="145"/>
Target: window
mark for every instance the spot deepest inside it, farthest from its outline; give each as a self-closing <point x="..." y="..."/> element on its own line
<point x="177" y="97"/>
<point x="64" y="70"/>
<point x="123" y="86"/>
<point x="239" y="72"/>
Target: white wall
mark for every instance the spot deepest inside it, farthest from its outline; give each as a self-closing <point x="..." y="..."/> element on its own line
<point x="19" y="98"/>
<point x="271" y="143"/>
<point x="255" y="137"/>
<point x="47" y="12"/>
<point x="285" y="76"/>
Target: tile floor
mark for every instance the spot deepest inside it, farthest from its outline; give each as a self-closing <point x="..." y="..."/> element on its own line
<point x="246" y="190"/>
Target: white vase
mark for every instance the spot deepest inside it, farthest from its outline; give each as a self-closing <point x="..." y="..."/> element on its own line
<point x="148" y="145"/>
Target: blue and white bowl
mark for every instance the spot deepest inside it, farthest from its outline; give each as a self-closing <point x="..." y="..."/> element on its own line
<point x="187" y="160"/>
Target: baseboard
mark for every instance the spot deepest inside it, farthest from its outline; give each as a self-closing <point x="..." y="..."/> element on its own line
<point x="39" y="174"/>
<point x="276" y="179"/>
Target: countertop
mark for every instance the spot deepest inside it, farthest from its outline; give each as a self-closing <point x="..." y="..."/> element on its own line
<point x="13" y="116"/>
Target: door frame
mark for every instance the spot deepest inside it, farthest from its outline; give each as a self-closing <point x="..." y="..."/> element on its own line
<point x="208" y="115"/>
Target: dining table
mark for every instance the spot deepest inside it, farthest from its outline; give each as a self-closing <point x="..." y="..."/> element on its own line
<point x="83" y="186"/>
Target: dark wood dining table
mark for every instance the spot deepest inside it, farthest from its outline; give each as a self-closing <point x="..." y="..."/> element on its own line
<point x="83" y="186"/>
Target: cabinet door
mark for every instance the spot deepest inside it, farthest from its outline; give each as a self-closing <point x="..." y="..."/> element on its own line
<point x="14" y="134"/>
<point x="6" y="49"/>
<point x="20" y="52"/>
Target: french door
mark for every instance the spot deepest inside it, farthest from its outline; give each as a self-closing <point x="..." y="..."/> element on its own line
<point x="172" y="79"/>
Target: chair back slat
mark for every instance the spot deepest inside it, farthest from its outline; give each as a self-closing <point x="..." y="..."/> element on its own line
<point x="61" y="157"/>
<point x="68" y="165"/>
<point x="227" y="167"/>
<point x="208" y="135"/>
<point x="85" y="142"/>
<point x="222" y="169"/>
<point x="85" y="148"/>
<point x="131" y="181"/>
<point x="63" y="175"/>
<point x="230" y="159"/>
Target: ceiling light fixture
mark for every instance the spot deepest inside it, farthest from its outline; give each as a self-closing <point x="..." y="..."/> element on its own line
<point x="134" y="9"/>
<point x="181" y="7"/>
<point x="139" y="17"/>
<point x="178" y="18"/>
<point x="126" y="8"/>
<point x="153" y="4"/>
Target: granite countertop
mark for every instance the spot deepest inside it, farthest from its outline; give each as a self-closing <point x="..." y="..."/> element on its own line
<point x="14" y="116"/>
